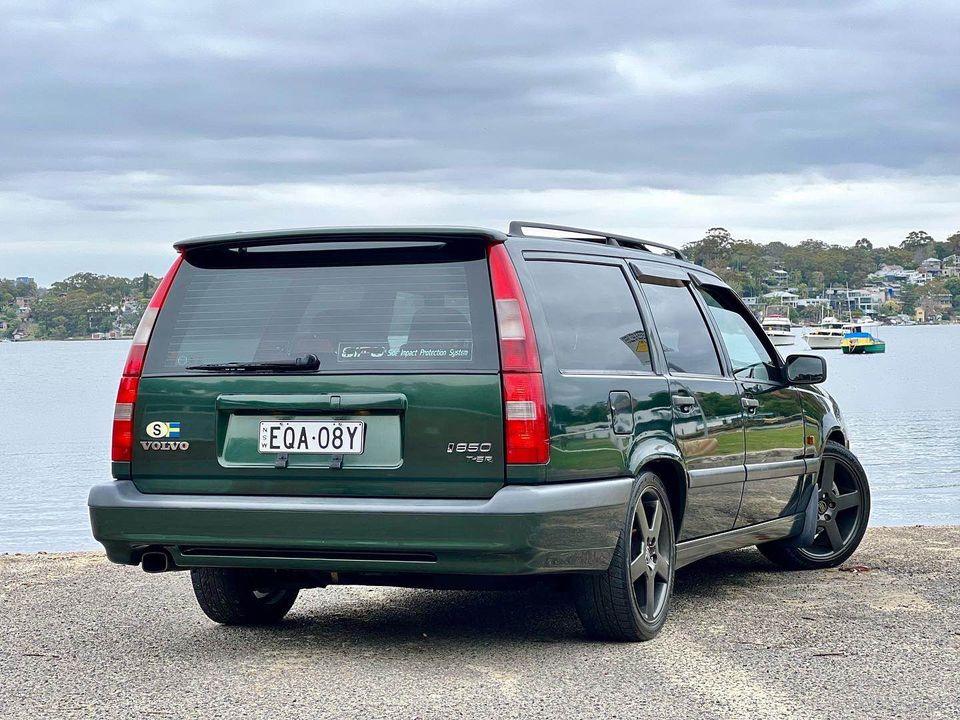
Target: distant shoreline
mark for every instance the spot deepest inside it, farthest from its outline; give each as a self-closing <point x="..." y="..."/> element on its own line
<point x="130" y="337"/>
<point x="71" y="339"/>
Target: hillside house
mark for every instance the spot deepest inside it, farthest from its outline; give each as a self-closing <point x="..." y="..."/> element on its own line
<point x="781" y="297"/>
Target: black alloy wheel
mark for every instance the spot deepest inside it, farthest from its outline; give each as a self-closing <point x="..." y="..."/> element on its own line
<point x="840" y="509"/>
<point x="843" y="511"/>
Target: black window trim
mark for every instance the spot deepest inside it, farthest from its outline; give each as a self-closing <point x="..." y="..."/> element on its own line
<point x="751" y="322"/>
<point x="642" y="278"/>
<point x="642" y="311"/>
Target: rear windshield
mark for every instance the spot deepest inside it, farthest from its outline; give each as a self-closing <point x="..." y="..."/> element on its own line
<point x="378" y="308"/>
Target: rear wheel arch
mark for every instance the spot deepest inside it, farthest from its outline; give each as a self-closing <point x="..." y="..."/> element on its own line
<point x="674" y="477"/>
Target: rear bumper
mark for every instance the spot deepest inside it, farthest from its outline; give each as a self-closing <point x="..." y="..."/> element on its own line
<point x="520" y="530"/>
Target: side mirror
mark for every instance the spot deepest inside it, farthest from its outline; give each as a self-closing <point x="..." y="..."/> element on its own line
<point x="806" y="369"/>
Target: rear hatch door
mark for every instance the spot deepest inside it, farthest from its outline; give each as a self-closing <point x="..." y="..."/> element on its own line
<point x="405" y="401"/>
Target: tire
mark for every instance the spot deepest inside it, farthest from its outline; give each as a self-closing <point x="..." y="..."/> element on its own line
<point x="843" y="513"/>
<point x="241" y="597"/>
<point x="613" y="605"/>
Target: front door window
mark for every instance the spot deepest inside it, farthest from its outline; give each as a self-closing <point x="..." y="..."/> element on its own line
<point x="750" y="359"/>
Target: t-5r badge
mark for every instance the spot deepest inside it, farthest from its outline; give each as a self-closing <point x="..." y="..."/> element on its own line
<point x="160" y="429"/>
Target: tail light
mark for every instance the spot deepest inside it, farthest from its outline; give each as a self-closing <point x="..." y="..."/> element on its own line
<point x="122" y="445"/>
<point x="524" y="401"/>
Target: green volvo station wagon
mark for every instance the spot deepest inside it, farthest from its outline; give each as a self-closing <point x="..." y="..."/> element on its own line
<point x="458" y="407"/>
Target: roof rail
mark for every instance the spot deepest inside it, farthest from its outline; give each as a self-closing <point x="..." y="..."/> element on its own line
<point x="517" y="226"/>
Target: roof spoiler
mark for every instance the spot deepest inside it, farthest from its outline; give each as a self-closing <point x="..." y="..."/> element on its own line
<point x="342" y="234"/>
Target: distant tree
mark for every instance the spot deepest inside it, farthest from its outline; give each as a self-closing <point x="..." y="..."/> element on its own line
<point x="952" y="286"/>
<point x="932" y="288"/>
<point x="713" y="250"/>
<point x="916" y="239"/>
<point x="741" y="282"/>
<point x="817" y="280"/>
<point x="775" y="248"/>
<point x="86" y="302"/>
<point x="909" y="297"/>
<point x="889" y="308"/>
<point x="863" y="244"/>
<point x="892" y="256"/>
<point x="954" y="243"/>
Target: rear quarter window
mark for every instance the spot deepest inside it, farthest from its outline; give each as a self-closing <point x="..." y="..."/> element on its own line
<point x="376" y="309"/>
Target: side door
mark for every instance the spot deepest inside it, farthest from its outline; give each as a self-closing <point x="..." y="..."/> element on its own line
<point x="606" y="402"/>
<point x="774" y="415"/>
<point x="708" y="421"/>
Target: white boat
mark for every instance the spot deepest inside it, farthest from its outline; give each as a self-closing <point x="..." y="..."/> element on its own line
<point x="827" y="336"/>
<point x="778" y="330"/>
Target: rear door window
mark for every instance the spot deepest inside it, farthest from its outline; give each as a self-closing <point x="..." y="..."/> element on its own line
<point x="379" y="308"/>
<point x="592" y="317"/>
<point x="682" y="329"/>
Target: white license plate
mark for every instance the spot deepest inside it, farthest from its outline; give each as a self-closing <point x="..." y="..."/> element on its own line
<point x="311" y="436"/>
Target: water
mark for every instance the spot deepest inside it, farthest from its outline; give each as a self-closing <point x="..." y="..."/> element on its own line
<point x="56" y="412"/>
<point x="56" y="404"/>
<point x="902" y="410"/>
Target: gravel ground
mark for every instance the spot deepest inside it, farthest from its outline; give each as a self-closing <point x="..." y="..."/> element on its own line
<point x="879" y="638"/>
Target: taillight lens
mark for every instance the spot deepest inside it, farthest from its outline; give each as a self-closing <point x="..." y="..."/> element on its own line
<point x="122" y="445"/>
<point x="518" y="344"/>
<point x="527" y="431"/>
<point x="525" y="414"/>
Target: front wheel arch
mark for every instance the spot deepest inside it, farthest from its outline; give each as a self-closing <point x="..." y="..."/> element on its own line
<point x="836" y="435"/>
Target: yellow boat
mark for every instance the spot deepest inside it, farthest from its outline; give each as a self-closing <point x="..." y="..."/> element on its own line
<point x="858" y="342"/>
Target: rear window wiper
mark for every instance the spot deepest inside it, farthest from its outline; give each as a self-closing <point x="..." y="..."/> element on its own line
<point x="305" y="363"/>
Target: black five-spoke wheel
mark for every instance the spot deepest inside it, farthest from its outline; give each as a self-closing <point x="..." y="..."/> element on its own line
<point x="630" y="601"/>
<point x="838" y="509"/>
<point x="843" y="509"/>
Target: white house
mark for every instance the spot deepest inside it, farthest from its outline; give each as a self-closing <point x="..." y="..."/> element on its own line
<point x="866" y="300"/>
<point x="781" y="297"/>
<point x="931" y="266"/>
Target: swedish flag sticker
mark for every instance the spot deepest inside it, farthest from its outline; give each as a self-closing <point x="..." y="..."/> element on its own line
<point x="173" y="429"/>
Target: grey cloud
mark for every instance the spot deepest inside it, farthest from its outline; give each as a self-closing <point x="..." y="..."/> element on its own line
<point x="468" y="96"/>
<point x="636" y="91"/>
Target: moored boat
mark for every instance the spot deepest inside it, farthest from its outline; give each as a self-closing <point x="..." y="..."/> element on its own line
<point x="778" y="330"/>
<point x="827" y="336"/>
<point x="776" y="324"/>
<point x="859" y="342"/>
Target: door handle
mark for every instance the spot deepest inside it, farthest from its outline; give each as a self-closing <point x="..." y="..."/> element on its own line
<point x="749" y="404"/>
<point x="683" y="403"/>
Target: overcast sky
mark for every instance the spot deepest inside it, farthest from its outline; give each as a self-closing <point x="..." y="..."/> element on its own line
<point x="127" y="125"/>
